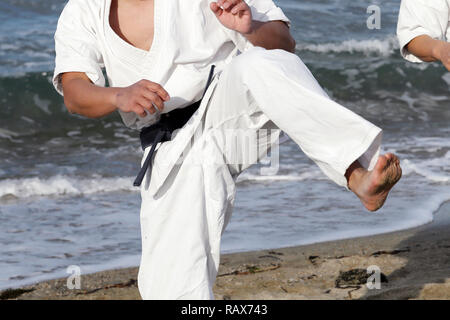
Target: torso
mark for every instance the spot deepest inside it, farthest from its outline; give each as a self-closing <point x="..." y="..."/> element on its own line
<point x="144" y="43"/>
<point x="133" y="22"/>
<point x="170" y="42"/>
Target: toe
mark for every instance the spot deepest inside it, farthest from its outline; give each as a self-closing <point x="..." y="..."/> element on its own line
<point x="399" y="172"/>
<point x="395" y="158"/>
<point x="382" y="162"/>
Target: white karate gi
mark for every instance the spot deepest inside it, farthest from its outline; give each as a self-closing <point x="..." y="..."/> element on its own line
<point x="186" y="204"/>
<point x="422" y="17"/>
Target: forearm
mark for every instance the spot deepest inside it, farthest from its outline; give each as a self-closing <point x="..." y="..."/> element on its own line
<point x="271" y="35"/>
<point x="86" y="99"/>
<point x="425" y="48"/>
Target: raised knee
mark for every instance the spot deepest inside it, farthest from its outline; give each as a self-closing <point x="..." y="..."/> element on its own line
<point x="253" y="57"/>
<point x="259" y="58"/>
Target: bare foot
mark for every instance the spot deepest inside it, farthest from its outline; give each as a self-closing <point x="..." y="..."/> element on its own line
<point x="372" y="187"/>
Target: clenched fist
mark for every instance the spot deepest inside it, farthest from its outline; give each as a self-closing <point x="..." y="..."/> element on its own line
<point x="233" y="14"/>
<point x="141" y="97"/>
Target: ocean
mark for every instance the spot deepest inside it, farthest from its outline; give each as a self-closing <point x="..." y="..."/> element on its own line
<point x="66" y="194"/>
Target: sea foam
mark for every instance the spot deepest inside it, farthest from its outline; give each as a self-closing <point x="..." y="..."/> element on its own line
<point x="384" y="47"/>
<point x="63" y="185"/>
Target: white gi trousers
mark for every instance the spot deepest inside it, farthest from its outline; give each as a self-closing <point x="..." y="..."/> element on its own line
<point x="188" y="195"/>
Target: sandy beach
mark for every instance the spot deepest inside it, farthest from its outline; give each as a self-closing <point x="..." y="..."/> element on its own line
<point x="416" y="264"/>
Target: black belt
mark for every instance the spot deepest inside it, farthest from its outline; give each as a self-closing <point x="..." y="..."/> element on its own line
<point x="162" y="131"/>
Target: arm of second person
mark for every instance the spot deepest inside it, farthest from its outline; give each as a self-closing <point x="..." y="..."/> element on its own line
<point x="429" y="50"/>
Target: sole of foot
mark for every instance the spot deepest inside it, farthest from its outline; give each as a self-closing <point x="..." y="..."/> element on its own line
<point x="378" y="183"/>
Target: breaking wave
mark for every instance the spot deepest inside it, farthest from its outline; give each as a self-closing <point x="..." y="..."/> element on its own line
<point x="63" y="185"/>
<point x="384" y="47"/>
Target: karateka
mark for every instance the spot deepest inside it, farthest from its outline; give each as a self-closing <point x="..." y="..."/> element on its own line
<point x="158" y="56"/>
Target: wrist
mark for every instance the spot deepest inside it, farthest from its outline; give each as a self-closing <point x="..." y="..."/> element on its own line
<point x="254" y="25"/>
<point x="251" y="29"/>
<point x="113" y="97"/>
<point x="437" y="49"/>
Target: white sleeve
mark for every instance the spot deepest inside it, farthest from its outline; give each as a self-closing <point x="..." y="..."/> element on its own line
<point x="421" y="17"/>
<point x="262" y="10"/>
<point x="76" y="45"/>
<point x="266" y="10"/>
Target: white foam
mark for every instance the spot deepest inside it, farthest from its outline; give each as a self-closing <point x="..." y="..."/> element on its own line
<point x="383" y="47"/>
<point x="42" y="104"/>
<point x="63" y="185"/>
<point x="446" y="78"/>
<point x="7" y="134"/>
<point x="424" y="170"/>
<point x="310" y="175"/>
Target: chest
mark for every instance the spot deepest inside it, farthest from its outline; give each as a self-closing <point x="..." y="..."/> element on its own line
<point x="134" y="23"/>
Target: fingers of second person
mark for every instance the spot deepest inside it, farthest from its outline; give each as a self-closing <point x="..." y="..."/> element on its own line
<point x="157" y="88"/>
<point x="154" y="98"/>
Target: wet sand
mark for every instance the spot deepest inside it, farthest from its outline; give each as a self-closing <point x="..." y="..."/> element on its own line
<point x="415" y="263"/>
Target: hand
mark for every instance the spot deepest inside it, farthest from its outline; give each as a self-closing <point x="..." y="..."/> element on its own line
<point x="233" y="14"/>
<point x="443" y="53"/>
<point x="141" y="97"/>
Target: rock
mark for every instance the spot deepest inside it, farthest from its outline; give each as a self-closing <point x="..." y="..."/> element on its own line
<point x="313" y="259"/>
<point x="355" y="277"/>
